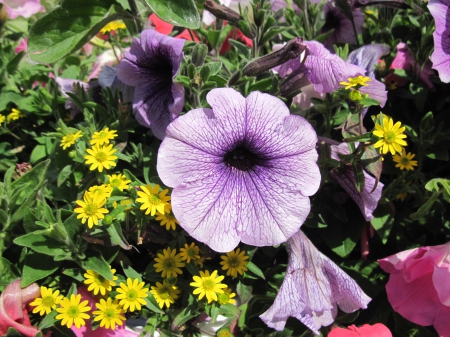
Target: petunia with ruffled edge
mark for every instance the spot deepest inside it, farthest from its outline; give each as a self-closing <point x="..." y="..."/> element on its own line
<point x="313" y="289"/>
<point x="150" y="66"/>
<point x="241" y="171"/>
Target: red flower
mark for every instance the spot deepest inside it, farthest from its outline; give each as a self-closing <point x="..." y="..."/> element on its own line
<point x="165" y="28"/>
<point x="377" y="330"/>
<point x="235" y="34"/>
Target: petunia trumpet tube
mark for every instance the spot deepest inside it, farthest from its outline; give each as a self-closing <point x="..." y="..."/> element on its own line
<point x="241" y="171"/>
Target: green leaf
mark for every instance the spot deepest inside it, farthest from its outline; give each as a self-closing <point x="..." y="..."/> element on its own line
<point x="131" y="273"/>
<point x="97" y="263"/>
<point x="8" y="273"/>
<point x="179" y="13"/>
<point x="41" y="243"/>
<point x="48" y="321"/>
<point x="36" y="267"/>
<point x="69" y="26"/>
<point x="64" y="174"/>
<point x="255" y="270"/>
<point x="115" y="231"/>
<point x="383" y="221"/>
<point x="150" y="302"/>
<point x="185" y="315"/>
<point x="75" y="273"/>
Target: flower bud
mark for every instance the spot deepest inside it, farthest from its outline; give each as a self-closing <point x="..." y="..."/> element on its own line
<point x="222" y="12"/>
<point x="107" y="220"/>
<point x="291" y="50"/>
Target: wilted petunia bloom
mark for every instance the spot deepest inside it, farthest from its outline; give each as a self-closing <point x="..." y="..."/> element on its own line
<point x="367" y="57"/>
<point x="313" y="289"/>
<point x="325" y="71"/>
<point x="418" y="287"/>
<point x="343" y="28"/>
<point x="150" y="66"/>
<point x="234" y="166"/>
<point x="441" y="36"/>
<point x="366" y="200"/>
<point x="376" y="330"/>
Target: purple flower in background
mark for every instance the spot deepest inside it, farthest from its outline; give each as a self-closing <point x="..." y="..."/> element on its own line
<point x="150" y="66"/>
<point x="366" y="200"/>
<point x="70" y="85"/>
<point x="25" y="8"/>
<point x="343" y="29"/>
<point x="108" y="78"/>
<point x="441" y="55"/>
<point x="313" y="289"/>
<point x="367" y="57"/>
<point x="325" y="71"/>
<point x="241" y="171"/>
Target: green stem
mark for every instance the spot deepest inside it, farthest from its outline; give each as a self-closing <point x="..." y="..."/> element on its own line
<point x="135" y="12"/>
<point x="306" y="18"/>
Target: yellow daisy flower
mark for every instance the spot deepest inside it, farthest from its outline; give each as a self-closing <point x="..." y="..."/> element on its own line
<point x="152" y="200"/>
<point x="14" y="115"/>
<point x="113" y="26"/>
<point x="208" y="285"/>
<point x="97" y="283"/>
<point x="391" y="136"/>
<point x="235" y="262"/>
<point x="91" y="209"/>
<point x="164" y="294"/>
<point x="227" y="297"/>
<point x="2" y="119"/>
<point x="224" y="332"/>
<point x="109" y="314"/>
<point x="73" y="312"/>
<point x="70" y="139"/>
<point x="132" y="295"/>
<point x="119" y="181"/>
<point x="101" y="157"/>
<point x="100" y="191"/>
<point x="356" y="81"/>
<point x="189" y="252"/>
<point x="124" y="203"/>
<point x="103" y="137"/>
<point x="167" y="219"/>
<point x="404" y="161"/>
<point x="47" y="302"/>
<point x="169" y="263"/>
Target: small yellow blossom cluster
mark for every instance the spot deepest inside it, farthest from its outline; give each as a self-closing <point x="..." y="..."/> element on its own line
<point x="392" y="139"/>
<point x="14" y="115"/>
<point x="354" y="84"/>
<point x="112" y="26"/>
<point x="102" y="154"/>
<point x="110" y="311"/>
<point x="91" y="208"/>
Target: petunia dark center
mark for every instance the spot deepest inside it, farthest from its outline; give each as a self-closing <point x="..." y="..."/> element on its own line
<point x="331" y="22"/>
<point x="242" y="158"/>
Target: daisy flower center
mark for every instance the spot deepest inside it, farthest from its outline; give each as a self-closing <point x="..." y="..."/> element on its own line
<point x="154" y="199"/>
<point x="73" y="312"/>
<point x="48" y="301"/>
<point x="109" y="313"/>
<point x="405" y="161"/>
<point x="209" y="285"/>
<point x="116" y="182"/>
<point x="132" y="294"/>
<point x="169" y="263"/>
<point x="90" y="209"/>
<point x="191" y="253"/>
<point x="389" y="137"/>
<point x="234" y="262"/>
<point x="100" y="156"/>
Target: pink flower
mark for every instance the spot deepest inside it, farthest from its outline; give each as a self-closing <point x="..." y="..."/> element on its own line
<point x="13" y="308"/>
<point x="166" y="28"/>
<point x="23" y="45"/>
<point x="377" y="330"/>
<point x="405" y="60"/>
<point x="25" y="8"/>
<point x="86" y="331"/>
<point x="418" y="288"/>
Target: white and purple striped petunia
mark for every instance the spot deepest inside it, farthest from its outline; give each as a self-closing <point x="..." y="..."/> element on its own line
<point x="313" y="289"/>
<point x="150" y="67"/>
<point x="241" y="171"/>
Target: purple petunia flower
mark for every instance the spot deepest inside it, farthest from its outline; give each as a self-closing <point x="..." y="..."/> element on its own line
<point x="441" y="56"/>
<point x="366" y="200"/>
<point x="367" y="57"/>
<point x="150" y="66"/>
<point x="325" y="71"/>
<point x="343" y="28"/>
<point x="313" y="289"/>
<point x="241" y="171"/>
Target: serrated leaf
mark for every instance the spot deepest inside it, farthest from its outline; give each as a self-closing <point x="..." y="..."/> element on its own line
<point x="179" y="13"/>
